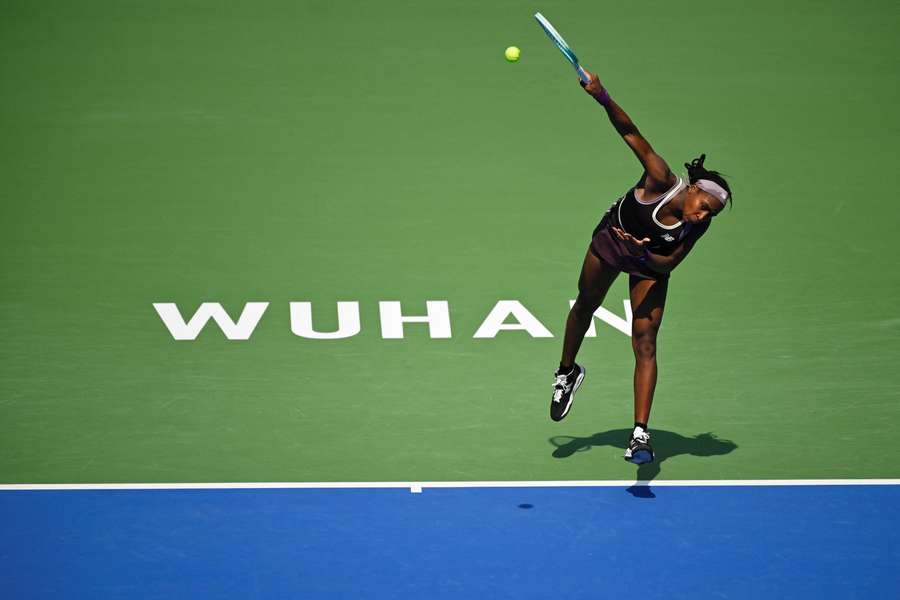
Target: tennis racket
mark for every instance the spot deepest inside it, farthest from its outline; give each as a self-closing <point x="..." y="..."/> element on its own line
<point x="553" y="34"/>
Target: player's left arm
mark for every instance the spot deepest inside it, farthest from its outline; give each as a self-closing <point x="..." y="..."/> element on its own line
<point x="658" y="262"/>
<point x="667" y="264"/>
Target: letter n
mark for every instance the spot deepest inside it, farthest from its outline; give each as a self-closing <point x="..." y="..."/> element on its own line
<point x="608" y="317"/>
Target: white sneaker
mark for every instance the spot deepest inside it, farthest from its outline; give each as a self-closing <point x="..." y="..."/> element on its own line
<point x="564" y="389"/>
<point x="639" y="450"/>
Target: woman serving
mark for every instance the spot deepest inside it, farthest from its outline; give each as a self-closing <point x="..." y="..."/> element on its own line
<point x="645" y="233"/>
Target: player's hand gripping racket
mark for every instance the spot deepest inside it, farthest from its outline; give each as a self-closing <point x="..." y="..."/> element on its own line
<point x="553" y="34"/>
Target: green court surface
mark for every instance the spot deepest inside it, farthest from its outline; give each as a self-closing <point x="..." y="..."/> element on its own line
<point x="190" y="152"/>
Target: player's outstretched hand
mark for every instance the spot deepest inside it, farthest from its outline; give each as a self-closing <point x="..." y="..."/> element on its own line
<point x="634" y="246"/>
<point x="592" y="87"/>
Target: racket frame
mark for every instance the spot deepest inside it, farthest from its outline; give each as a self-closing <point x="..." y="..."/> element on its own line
<point x="561" y="44"/>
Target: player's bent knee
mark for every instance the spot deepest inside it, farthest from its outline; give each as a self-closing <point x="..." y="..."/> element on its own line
<point x="645" y="350"/>
<point x="644" y="344"/>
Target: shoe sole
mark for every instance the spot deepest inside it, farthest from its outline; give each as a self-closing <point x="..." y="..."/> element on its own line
<point x="641" y="457"/>
<point x="572" y="395"/>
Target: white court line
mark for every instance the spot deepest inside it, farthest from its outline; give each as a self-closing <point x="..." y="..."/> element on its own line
<point x="418" y="486"/>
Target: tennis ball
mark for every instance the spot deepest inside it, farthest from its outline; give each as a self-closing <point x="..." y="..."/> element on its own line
<point x="512" y="54"/>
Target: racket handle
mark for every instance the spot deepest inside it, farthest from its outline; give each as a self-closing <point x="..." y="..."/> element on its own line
<point x="581" y="73"/>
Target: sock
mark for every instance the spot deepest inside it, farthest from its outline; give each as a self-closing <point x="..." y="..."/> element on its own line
<point x="639" y="426"/>
<point x="564" y="369"/>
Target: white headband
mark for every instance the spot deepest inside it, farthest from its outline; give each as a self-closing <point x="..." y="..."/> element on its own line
<point x="714" y="189"/>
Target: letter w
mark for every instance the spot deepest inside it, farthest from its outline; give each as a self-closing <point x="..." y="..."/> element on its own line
<point x="242" y="330"/>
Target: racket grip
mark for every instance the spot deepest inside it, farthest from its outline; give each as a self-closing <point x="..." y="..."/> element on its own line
<point x="581" y="73"/>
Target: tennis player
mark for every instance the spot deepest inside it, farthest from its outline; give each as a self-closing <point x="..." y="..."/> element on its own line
<point x="645" y="233"/>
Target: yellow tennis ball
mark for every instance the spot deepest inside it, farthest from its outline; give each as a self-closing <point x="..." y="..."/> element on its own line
<point x="512" y="54"/>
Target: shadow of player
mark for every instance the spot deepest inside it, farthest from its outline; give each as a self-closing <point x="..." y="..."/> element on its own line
<point x="666" y="444"/>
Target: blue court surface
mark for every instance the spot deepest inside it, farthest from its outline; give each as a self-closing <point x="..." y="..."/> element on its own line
<point x="818" y="541"/>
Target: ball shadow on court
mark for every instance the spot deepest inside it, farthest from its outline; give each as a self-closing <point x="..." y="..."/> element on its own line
<point x="666" y="444"/>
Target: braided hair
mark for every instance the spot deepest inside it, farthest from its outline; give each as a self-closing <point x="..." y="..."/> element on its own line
<point x="696" y="171"/>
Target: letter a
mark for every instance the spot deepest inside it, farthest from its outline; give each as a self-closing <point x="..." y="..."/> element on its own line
<point x="494" y="322"/>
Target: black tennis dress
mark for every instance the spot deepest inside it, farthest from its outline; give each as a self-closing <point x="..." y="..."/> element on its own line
<point x="639" y="219"/>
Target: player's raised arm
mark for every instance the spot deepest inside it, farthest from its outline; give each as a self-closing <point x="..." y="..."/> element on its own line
<point x="659" y="177"/>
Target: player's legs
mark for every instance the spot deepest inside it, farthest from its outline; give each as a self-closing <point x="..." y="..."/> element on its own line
<point x="648" y="299"/>
<point x="593" y="283"/>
